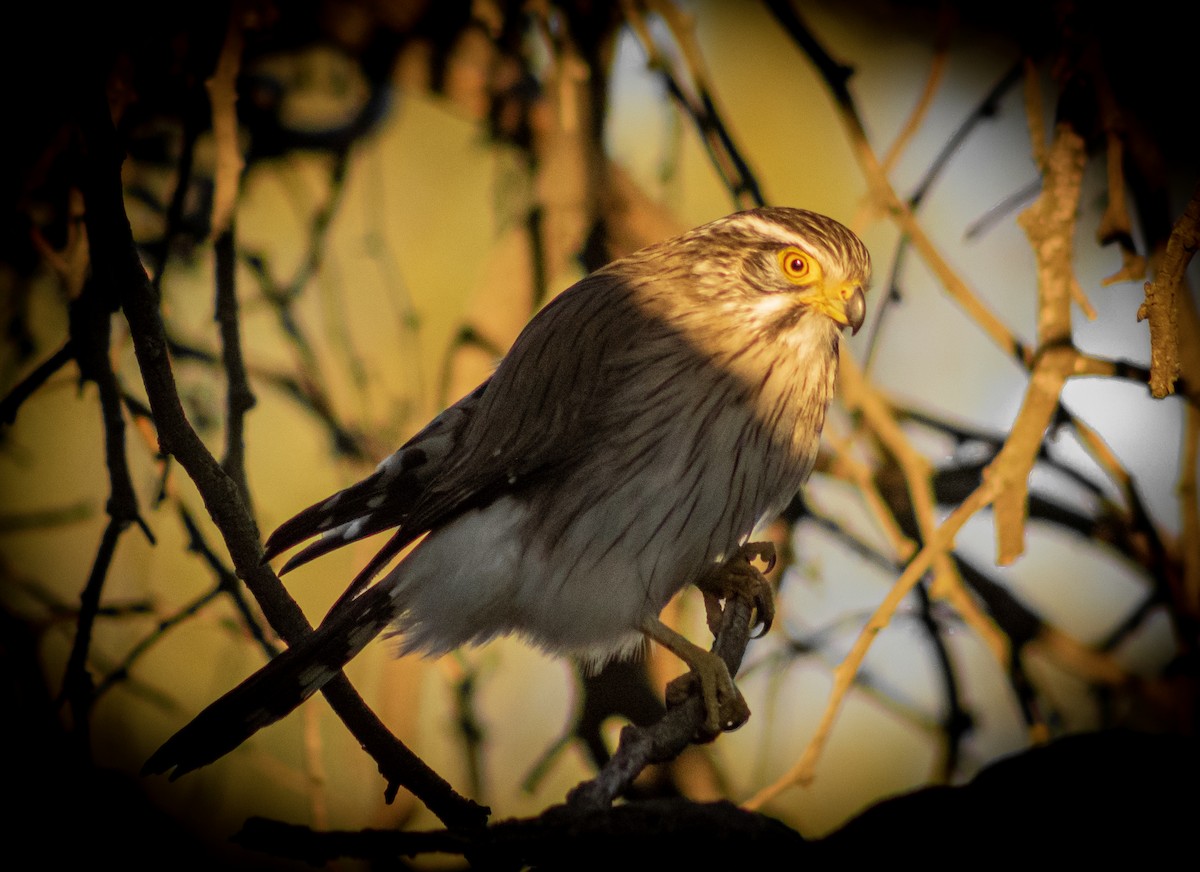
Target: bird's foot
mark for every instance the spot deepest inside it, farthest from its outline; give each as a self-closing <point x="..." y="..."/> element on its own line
<point x="724" y="706"/>
<point x="738" y="576"/>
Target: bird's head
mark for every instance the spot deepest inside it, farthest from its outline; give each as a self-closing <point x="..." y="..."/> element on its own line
<point x="779" y="265"/>
<point x="767" y="269"/>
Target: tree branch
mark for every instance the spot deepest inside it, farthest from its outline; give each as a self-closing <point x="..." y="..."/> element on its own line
<point x="1165" y="294"/>
<point x="117" y="265"/>
<point x="641" y="746"/>
<point x="25" y="388"/>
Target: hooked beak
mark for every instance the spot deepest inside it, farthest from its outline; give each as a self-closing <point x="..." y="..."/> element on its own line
<point x="855" y="309"/>
<point x="845" y="304"/>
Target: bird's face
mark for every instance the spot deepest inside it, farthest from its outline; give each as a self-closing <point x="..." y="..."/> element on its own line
<point x="830" y="292"/>
<point x="772" y="274"/>
<point x="795" y="264"/>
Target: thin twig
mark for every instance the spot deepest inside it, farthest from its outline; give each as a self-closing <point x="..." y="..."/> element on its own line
<point x="222" y="96"/>
<point x="239" y="399"/>
<point x="78" y="689"/>
<point x="25" y="388"/>
<point x="801" y="771"/>
<point x="986" y="109"/>
<point x="1116" y="225"/>
<point x="847" y="466"/>
<point x="91" y="333"/>
<point x="121" y="671"/>
<point x="308" y="395"/>
<point x="691" y="89"/>
<point x="859" y="395"/>
<point x="116" y="263"/>
<point x="836" y="76"/>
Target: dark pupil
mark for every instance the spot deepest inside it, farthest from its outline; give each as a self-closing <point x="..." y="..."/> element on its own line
<point x="796" y="265"/>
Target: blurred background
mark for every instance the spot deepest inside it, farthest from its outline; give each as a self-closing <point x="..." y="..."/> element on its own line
<point x="407" y="182"/>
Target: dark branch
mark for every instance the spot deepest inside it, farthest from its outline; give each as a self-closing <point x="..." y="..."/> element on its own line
<point x="116" y="264"/>
<point x="25" y="388"/>
<point x="239" y="399"/>
<point x="78" y="688"/>
<point x="629" y="836"/>
<point x="836" y="75"/>
<point x="309" y="396"/>
<point x="227" y="582"/>
<point x="641" y="746"/>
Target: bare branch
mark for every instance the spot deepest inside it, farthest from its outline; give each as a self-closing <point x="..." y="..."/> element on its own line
<point x="641" y="746"/>
<point x="843" y="678"/>
<point x="28" y="386"/>
<point x="222" y="95"/>
<point x="1164" y="296"/>
<point x="691" y="88"/>
<point x="116" y="264"/>
<point x="1050" y="225"/>
<point x="238" y="397"/>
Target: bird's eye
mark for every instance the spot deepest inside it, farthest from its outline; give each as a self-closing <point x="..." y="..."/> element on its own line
<point x="796" y="265"/>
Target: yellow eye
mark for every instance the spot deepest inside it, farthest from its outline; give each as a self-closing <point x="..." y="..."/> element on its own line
<point x="797" y="266"/>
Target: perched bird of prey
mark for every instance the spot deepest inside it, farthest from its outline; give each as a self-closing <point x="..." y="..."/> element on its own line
<point x="641" y="426"/>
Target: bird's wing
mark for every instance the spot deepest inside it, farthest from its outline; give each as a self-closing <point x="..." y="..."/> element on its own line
<point x="538" y="412"/>
<point x="528" y="418"/>
<point x="531" y="416"/>
<point x="381" y="501"/>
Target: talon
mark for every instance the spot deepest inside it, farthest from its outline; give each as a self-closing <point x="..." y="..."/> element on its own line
<point x="724" y="706"/>
<point x="738" y="576"/>
<point x="764" y="551"/>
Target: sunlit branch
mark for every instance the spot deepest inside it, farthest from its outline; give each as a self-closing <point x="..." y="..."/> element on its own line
<point x="843" y="677"/>
<point x="848" y="467"/>
<point x="1116" y="224"/>
<point x="986" y="109"/>
<point x="1165" y="296"/>
<point x="691" y="89"/>
<point x="836" y="78"/>
<point x="859" y="395"/>
<point x="222" y="97"/>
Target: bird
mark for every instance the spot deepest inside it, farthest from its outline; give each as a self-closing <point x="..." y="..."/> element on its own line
<point x="641" y="427"/>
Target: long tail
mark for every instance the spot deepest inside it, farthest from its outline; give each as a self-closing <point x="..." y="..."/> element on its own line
<point x="383" y="500"/>
<point x="279" y="687"/>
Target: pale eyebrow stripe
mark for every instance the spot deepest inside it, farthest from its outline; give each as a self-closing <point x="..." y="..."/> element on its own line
<point x="814" y="239"/>
<point x="773" y="231"/>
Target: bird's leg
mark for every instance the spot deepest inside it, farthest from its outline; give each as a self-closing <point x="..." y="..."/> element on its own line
<point x="738" y="576"/>
<point x="724" y="707"/>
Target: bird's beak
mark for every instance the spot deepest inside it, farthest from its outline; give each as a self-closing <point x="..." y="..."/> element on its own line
<point x="845" y="304"/>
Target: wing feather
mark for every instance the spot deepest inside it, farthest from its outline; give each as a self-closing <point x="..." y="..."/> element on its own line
<point x="529" y="418"/>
